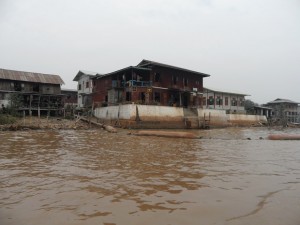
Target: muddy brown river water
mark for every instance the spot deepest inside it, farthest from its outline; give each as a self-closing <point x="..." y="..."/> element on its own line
<point x="93" y="177"/>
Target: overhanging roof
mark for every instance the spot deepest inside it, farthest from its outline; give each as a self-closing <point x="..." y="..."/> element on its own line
<point x="223" y="91"/>
<point x="30" y="77"/>
<point x="134" y="68"/>
<point x="279" y="100"/>
<point x="84" y="72"/>
<point x="145" y="62"/>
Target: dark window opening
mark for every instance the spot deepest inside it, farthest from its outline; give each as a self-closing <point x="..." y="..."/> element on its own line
<point x="142" y="96"/>
<point x="226" y="100"/>
<point x="219" y="101"/>
<point x="17" y="86"/>
<point x="156" y="96"/>
<point x="106" y="98"/>
<point x="79" y="86"/>
<point x="128" y="96"/>
<point x="234" y="102"/>
<point x="36" y="88"/>
<point x="157" y="77"/>
<point x="185" y="82"/>
<point x="87" y="84"/>
<point x="174" y="79"/>
<point x="210" y="101"/>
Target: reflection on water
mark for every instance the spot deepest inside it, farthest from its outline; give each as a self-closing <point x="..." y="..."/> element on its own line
<point x="229" y="176"/>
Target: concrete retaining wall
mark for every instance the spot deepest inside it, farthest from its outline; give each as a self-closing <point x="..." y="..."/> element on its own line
<point x="160" y="113"/>
<point x="143" y="116"/>
<point x="124" y="112"/>
<point x="239" y="119"/>
<point x="218" y="118"/>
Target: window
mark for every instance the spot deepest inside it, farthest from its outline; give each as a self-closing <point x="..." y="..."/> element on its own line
<point x="17" y="86"/>
<point x="156" y="96"/>
<point x="210" y="101"/>
<point x="234" y="102"/>
<point x="242" y="102"/>
<point x="79" y="86"/>
<point x="226" y="100"/>
<point x="36" y="88"/>
<point x="156" y="77"/>
<point x="142" y="96"/>
<point x="128" y="96"/>
<point x="204" y="101"/>
<point x="87" y="84"/>
<point x="185" y="81"/>
<point x="219" y="101"/>
<point x="174" y="79"/>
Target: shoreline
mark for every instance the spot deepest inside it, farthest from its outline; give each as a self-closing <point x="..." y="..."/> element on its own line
<point x="53" y="123"/>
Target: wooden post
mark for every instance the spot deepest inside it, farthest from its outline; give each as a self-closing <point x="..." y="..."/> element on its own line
<point x="24" y="117"/>
<point x="30" y="112"/>
<point x="39" y="110"/>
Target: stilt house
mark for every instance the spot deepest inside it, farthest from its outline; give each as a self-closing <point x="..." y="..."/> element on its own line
<point x="32" y="92"/>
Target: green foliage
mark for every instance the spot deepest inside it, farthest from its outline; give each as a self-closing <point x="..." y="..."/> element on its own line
<point x="7" y="119"/>
<point x="15" y="103"/>
<point x="249" y="106"/>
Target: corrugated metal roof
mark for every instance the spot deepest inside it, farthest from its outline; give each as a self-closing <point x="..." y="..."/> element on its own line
<point x="145" y="62"/>
<point x="135" y="68"/>
<point x="280" y="100"/>
<point x="30" y="77"/>
<point x="224" y="91"/>
<point x="84" y="72"/>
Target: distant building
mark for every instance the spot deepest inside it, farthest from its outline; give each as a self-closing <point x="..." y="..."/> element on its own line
<point x="85" y="88"/>
<point x="150" y="83"/>
<point x="36" y="92"/>
<point x="263" y="111"/>
<point x="232" y="102"/>
<point x="284" y="109"/>
<point x="70" y="98"/>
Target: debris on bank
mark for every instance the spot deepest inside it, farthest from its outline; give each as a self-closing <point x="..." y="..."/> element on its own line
<point x="105" y="127"/>
<point x="35" y="123"/>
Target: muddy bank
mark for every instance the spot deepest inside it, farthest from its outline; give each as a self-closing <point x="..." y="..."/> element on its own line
<point x="35" y="123"/>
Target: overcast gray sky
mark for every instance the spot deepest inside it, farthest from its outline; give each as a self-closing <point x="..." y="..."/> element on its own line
<point x="249" y="46"/>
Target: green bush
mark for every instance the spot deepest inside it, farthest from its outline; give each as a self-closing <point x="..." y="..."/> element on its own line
<point x="7" y="119"/>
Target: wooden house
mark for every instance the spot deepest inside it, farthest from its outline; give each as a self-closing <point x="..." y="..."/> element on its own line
<point x="150" y="83"/>
<point x="36" y="92"/>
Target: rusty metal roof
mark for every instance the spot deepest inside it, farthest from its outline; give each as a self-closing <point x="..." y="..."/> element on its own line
<point x="30" y="77"/>
<point x="145" y="62"/>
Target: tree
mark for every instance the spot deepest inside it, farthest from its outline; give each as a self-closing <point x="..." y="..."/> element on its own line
<point x="15" y="103"/>
<point x="249" y="106"/>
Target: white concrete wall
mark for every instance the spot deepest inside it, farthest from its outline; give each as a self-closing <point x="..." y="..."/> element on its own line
<point x="160" y="113"/>
<point x="246" y="118"/>
<point x="145" y="112"/>
<point x="125" y="112"/>
<point x="217" y="117"/>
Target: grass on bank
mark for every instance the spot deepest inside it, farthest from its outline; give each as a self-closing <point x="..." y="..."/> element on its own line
<point x="7" y="119"/>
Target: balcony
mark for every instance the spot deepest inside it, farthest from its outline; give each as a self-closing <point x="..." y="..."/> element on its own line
<point x="131" y="83"/>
